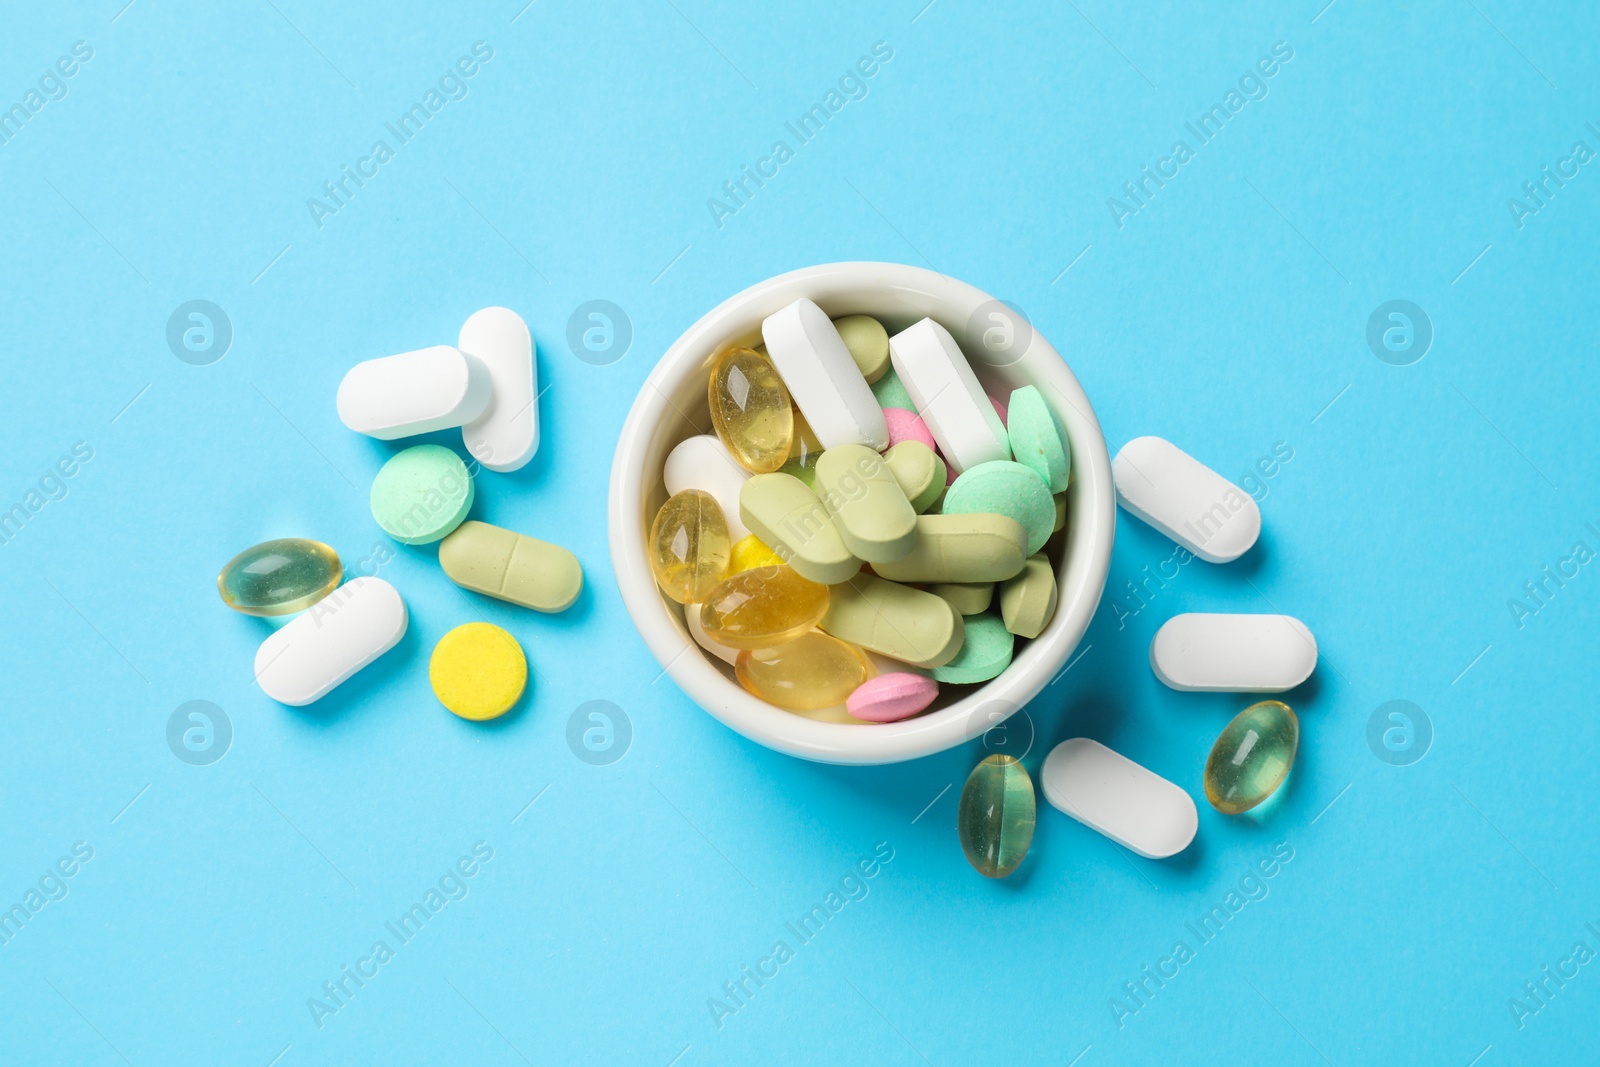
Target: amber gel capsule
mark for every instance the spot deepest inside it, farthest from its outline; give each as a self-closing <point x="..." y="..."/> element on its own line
<point x="750" y="410"/>
<point x="689" y="548"/>
<point x="279" y="577"/>
<point x="812" y="671"/>
<point x="762" y="607"/>
<point x="996" y="815"/>
<point x="1252" y="757"/>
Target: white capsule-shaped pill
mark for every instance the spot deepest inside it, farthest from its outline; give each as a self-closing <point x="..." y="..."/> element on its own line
<point x="1204" y="653"/>
<point x="948" y="396"/>
<point x="822" y="377"/>
<point x="414" y="392"/>
<point x="705" y="463"/>
<point x="1113" y="795"/>
<point x="506" y="435"/>
<point x="330" y="641"/>
<point x="1185" y="499"/>
<point x="691" y="622"/>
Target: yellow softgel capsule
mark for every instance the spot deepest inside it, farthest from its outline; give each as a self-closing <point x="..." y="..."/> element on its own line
<point x="478" y="671"/>
<point x="804" y="451"/>
<point x="750" y="410"/>
<point x="762" y="608"/>
<point x="689" y="548"/>
<point x="813" y="671"/>
<point x="752" y="552"/>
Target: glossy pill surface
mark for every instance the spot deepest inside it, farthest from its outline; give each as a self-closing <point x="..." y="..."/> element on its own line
<point x="421" y="494"/>
<point x="750" y="410"/>
<point x="512" y="567"/>
<point x="810" y="672"/>
<point x="763" y="607"/>
<point x="478" y="671"/>
<point x="866" y="503"/>
<point x="705" y="463"/>
<point x="1252" y="757"/>
<point x="996" y="816"/>
<point x="891" y="697"/>
<point x="804" y="451"/>
<point x="689" y="547"/>
<point x="279" y="577"/>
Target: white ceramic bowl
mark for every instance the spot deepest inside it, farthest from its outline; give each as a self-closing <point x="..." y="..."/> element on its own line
<point x="672" y="406"/>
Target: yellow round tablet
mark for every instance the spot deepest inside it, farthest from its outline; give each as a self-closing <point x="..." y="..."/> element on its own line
<point x="478" y="671"/>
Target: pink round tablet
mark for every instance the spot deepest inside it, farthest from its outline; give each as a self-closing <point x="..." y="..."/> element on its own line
<point x="892" y="697"/>
<point x="1000" y="409"/>
<point x="906" y="426"/>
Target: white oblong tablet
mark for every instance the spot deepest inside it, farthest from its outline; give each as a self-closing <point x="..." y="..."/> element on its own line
<point x="691" y="620"/>
<point x="506" y="434"/>
<point x="414" y="392"/>
<point x="1185" y="499"/>
<point x="1203" y="653"/>
<point x="330" y="641"/>
<point x="822" y="377"/>
<point x="704" y="463"/>
<point x="948" y="396"/>
<point x="1110" y="793"/>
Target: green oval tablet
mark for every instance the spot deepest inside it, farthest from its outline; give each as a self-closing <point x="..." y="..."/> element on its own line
<point x="867" y="505"/>
<point x="968" y="598"/>
<point x="980" y="547"/>
<point x="891" y="393"/>
<point x="1036" y="441"/>
<point x="920" y="472"/>
<point x="421" y="494"/>
<point x="1028" y="601"/>
<point x="1005" y="487"/>
<point x="893" y="620"/>
<point x="790" y="519"/>
<point x="510" y="566"/>
<point x="868" y="343"/>
<point x="984" y="654"/>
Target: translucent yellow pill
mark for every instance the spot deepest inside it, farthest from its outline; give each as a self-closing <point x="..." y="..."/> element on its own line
<point x="751" y="552"/>
<point x="689" y="546"/>
<point x="762" y="608"/>
<point x="810" y="672"/>
<point x="478" y="671"/>
<point x="750" y="410"/>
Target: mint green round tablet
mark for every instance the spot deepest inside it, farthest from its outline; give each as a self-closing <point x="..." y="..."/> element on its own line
<point x="985" y="652"/>
<point x="890" y="393"/>
<point x="421" y="494"/>
<point x="1003" y="487"/>
<point x="1036" y="441"/>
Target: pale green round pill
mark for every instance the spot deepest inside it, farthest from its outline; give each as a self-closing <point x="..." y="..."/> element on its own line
<point x="1036" y="441"/>
<point x="421" y="494"/>
<point x="890" y="393"/>
<point x="868" y="343"/>
<point x="1003" y="487"/>
<point x="985" y="652"/>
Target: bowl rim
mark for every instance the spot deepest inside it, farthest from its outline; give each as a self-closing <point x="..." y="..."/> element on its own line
<point x="1082" y="573"/>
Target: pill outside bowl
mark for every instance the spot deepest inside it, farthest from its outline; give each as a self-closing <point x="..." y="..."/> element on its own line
<point x="898" y="296"/>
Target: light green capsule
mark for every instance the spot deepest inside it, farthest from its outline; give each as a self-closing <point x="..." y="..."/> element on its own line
<point x="894" y="620"/>
<point x="984" y="653"/>
<point x="920" y="472"/>
<point x="790" y="519"/>
<point x="868" y="343"/>
<point x="996" y="816"/>
<point x="968" y="598"/>
<point x="1252" y="757"/>
<point x="866" y="503"/>
<point x="511" y="566"/>
<point x="279" y="577"/>
<point x="978" y="547"/>
<point x="1028" y="601"/>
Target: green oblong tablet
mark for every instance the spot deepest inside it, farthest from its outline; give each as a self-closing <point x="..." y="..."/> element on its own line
<point x="510" y="566"/>
<point x="983" y="655"/>
<point x="1036" y="440"/>
<point x="968" y="598"/>
<point x="893" y="620"/>
<point x="1028" y="601"/>
<point x="790" y="520"/>
<point x="866" y="503"/>
<point x="920" y="472"/>
<point x="868" y="343"/>
<point x="1005" y="487"/>
<point x="421" y="494"/>
<point x="980" y="547"/>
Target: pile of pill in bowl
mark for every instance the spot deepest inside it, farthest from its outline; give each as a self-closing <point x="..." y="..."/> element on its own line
<point x="867" y="524"/>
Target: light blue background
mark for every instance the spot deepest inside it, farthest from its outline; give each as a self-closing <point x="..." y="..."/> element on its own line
<point x="1227" y="315"/>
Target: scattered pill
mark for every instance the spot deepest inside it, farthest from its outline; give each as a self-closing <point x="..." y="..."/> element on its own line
<point x="1252" y="756"/>
<point x="892" y="696"/>
<point x="421" y="494"/>
<point x="691" y="622"/>
<point x="1199" y="652"/>
<point x="689" y="547"/>
<point x="789" y="518"/>
<point x="890" y="392"/>
<point x="705" y="463"/>
<point x="961" y="548"/>
<point x="894" y="620"/>
<point x="1112" y="795"/>
<point x="762" y="608"/>
<point x="1028" y="601"/>
<point x="414" y="392"/>
<point x="906" y="426"/>
<point x="341" y="633"/>
<point x="751" y="552"/>
<point x="750" y="410"/>
<point x="1036" y="438"/>
<point x="279" y="577"/>
<point x="810" y="672"/>
<point x="947" y="396"/>
<point x="823" y="378"/>
<point x="478" y="671"/>
<point x="920" y="472"/>
<point x="996" y="815"/>
<point x="868" y="343"/>
<point x="804" y="452"/>
<point x="506" y="435"/>
<point x="984" y="654"/>
<point x="968" y="598"/>
<point x="866" y="503"/>
<point x="1003" y="487"/>
<point x="1186" y="500"/>
<point x="511" y="566"/>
